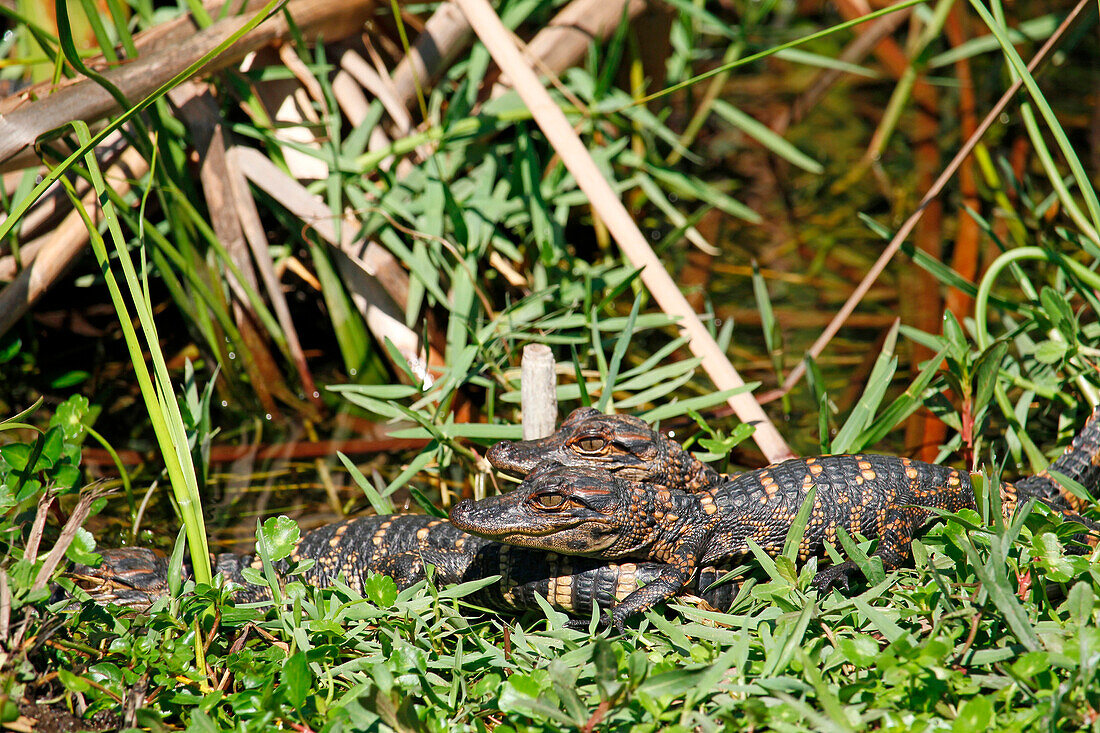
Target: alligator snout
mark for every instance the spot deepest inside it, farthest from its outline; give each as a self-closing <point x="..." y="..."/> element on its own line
<point x="480" y="518"/>
<point x="461" y="511"/>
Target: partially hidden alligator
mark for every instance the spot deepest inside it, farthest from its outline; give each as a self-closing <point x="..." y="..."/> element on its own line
<point x="587" y="511"/>
<point x="402" y="546"/>
<point x="623" y="445"/>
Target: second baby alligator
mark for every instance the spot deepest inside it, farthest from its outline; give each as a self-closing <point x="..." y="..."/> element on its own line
<point x="621" y="444"/>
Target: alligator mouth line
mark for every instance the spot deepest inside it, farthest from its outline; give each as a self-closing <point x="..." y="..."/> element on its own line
<point x="616" y="466"/>
<point x="516" y="536"/>
<point x="517" y="473"/>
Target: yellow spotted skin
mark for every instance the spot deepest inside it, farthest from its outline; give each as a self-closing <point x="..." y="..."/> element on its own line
<point x="592" y="512"/>
<point x="676" y="523"/>
<point x="403" y="546"/>
<point x="877" y="496"/>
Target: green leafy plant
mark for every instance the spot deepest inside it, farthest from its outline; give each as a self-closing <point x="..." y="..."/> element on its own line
<point x="991" y="629"/>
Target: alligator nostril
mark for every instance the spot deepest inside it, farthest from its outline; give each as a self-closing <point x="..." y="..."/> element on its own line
<point x="459" y="510"/>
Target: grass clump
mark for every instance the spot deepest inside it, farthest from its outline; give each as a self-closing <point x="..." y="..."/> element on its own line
<point x="948" y="645"/>
<point x="489" y="244"/>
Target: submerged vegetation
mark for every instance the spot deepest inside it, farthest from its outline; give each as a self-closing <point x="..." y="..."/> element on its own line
<point x="288" y="235"/>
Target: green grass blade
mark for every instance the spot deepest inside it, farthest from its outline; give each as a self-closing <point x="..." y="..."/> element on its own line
<point x="903" y="406"/>
<point x="617" y="356"/>
<point x="586" y="401"/>
<point x="1084" y="184"/>
<point x="763" y="134"/>
<point x="996" y="585"/>
<point x="868" y="403"/>
<point x="382" y="505"/>
<point x="158" y="393"/>
<point x="798" y="526"/>
<point x="680" y="407"/>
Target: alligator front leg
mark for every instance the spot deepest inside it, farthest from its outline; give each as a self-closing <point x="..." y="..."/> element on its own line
<point x="670" y="582"/>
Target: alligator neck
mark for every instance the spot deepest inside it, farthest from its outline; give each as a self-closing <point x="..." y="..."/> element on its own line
<point x="660" y="519"/>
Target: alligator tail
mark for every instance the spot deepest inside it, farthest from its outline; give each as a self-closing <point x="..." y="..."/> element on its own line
<point x="1080" y="462"/>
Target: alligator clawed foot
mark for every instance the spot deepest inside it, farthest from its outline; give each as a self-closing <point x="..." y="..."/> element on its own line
<point x="609" y="619"/>
<point x="835" y="575"/>
<point x="584" y="624"/>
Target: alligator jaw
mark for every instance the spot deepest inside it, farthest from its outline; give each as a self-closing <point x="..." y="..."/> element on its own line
<point x="515" y="459"/>
<point x="474" y="518"/>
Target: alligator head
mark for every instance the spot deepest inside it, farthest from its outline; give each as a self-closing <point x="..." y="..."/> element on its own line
<point x="620" y="444"/>
<point x="576" y="511"/>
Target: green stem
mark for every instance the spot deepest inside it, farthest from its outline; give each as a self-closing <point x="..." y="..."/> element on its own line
<point x="159" y="397"/>
<point x="981" y="302"/>
<point x="118" y="464"/>
<point x="981" y="331"/>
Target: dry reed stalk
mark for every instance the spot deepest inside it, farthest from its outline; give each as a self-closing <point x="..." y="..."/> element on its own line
<point x="566" y="38"/>
<point x="22" y="121"/>
<point x="349" y="96"/>
<point x="561" y="44"/>
<point x="28" y="251"/>
<point x="5" y="606"/>
<point x="538" y="396"/>
<point x="200" y="113"/>
<point x="384" y="317"/>
<point x="289" y="102"/>
<point x="64" y="245"/>
<point x="256" y="238"/>
<point x="446" y="34"/>
<point x="379" y="85"/>
<point x="148" y="42"/>
<point x="54" y="203"/>
<point x="68" y="532"/>
<point x="611" y="211"/>
<point x="34" y="537"/>
<point x="294" y="64"/>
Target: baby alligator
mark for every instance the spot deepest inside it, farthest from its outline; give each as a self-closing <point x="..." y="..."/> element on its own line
<point x="401" y="546"/>
<point x="621" y="444"/>
<point x="587" y="511"/>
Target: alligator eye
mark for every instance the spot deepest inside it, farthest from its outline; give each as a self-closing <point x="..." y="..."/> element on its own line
<point x="594" y="444"/>
<point x="550" y="501"/>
